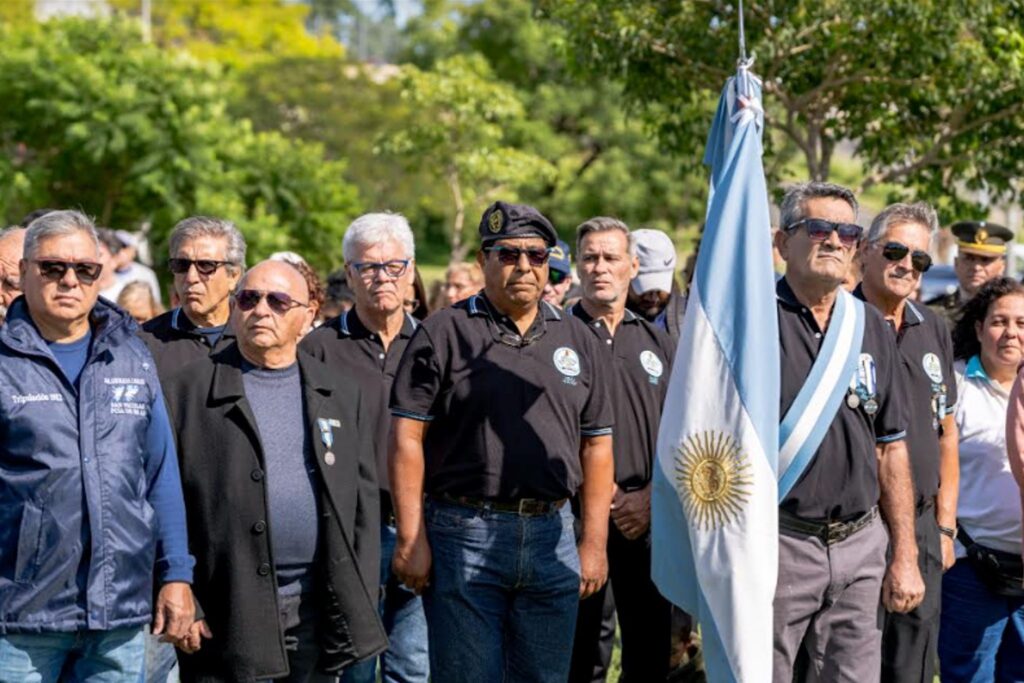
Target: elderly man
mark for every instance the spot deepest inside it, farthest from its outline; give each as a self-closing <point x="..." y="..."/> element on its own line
<point x="893" y="258"/>
<point x="981" y="256"/>
<point x="277" y="461"/>
<point x="639" y="356"/>
<point x="12" y="244"/>
<point x="369" y="340"/>
<point x="654" y="294"/>
<point x="91" y="503"/>
<point x="851" y="461"/>
<point x="501" y="415"/>
<point x="207" y="258"/>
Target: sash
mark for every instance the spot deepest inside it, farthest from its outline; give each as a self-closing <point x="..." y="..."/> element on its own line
<point x="804" y="426"/>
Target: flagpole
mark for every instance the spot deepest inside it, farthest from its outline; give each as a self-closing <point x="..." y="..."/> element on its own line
<point x="743" y="41"/>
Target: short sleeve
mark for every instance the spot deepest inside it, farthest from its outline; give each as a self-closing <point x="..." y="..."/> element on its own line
<point x="597" y="416"/>
<point x="418" y="379"/>
<point x="891" y="375"/>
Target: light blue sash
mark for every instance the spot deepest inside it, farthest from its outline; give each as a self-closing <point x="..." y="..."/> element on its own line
<point x="808" y="419"/>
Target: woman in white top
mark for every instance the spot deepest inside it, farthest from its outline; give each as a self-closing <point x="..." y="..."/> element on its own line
<point x="981" y="637"/>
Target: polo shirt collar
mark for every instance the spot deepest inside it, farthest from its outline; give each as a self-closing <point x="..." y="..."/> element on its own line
<point x="581" y="313"/>
<point x="975" y="370"/>
<point x="350" y="325"/>
<point x="911" y="314"/>
<point x="478" y="304"/>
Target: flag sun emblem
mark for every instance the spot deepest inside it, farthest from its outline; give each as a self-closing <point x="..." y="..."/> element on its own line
<point x="714" y="478"/>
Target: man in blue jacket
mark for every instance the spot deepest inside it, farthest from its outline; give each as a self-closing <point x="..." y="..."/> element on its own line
<point x="90" y="496"/>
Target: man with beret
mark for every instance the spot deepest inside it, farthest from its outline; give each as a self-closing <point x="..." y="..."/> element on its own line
<point x="501" y="414"/>
<point x="981" y="256"/>
<point x="559" y="274"/>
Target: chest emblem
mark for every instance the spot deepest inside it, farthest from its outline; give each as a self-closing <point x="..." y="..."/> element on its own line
<point x="651" y="364"/>
<point x="932" y="367"/>
<point x="567" y="361"/>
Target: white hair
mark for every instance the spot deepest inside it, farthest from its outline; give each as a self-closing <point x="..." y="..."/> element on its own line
<point x="374" y="228"/>
<point x="58" y="224"/>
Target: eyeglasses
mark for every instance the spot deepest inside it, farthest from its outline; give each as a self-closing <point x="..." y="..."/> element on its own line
<point x="393" y="268"/>
<point x="818" y="229"/>
<point x="279" y="302"/>
<point x="920" y="260"/>
<point x="87" y="272"/>
<point x="556" y="277"/>
<point x="180" y="266"/>
<point x="509" y="256"/>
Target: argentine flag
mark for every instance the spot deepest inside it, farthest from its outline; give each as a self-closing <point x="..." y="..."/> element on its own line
<point x="714" y="505"/>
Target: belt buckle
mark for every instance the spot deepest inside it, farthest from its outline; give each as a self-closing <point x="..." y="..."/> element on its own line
<point x="836" y="532"/>
<point x="524" y="505"/>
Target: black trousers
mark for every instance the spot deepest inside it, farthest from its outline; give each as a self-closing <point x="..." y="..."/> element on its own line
<point x="645" y="617"/>
<point x="910" y="641"/>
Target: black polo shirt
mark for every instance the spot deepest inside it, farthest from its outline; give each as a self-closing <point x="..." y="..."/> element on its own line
<point x="345" y="343"/>
<point x="175" y="341"/>
<point x="926" y="350"/>
<point x="841" y="481"/>
<point x="640" y="358"/>
<point x="506" y="411"/>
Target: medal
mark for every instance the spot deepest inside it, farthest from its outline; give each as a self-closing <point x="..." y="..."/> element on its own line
<point x="853" y="400"/>
<point x="329" y="458"/>
<point x="871" y="406"/>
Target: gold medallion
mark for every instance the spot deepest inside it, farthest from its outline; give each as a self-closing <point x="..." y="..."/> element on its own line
<point x="495" y="221"/>
<point x="713" y="477"/>
<point x="981" y="236"/>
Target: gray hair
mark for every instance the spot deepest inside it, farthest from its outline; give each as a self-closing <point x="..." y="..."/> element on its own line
<point x="604" y="224"/>
<point x="204" y="226"/>
<point x="58" y="224"/>
<point x="373" y="228"/>
<point x="10" y="230"/>
<point x="794" y="204"/>
<point x="921" y="213"/>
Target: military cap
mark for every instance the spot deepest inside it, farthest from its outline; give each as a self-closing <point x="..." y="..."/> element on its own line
<point x="503" y="221"/>
<point x="560" y="258"/>
<point x="981" y="237"/>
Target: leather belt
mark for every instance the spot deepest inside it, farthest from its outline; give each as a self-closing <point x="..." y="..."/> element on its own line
<point x="526" y="507"/>
<point x="828" y="533"/>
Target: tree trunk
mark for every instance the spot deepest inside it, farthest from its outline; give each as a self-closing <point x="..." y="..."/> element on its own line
<point x="458" y="248"/>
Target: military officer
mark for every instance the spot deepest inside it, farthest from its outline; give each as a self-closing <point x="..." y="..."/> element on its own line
<point x="981" y="256"/>
<point x="501" y="414"/>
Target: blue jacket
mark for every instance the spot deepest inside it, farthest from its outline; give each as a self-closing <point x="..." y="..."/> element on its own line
<point x="90" y="496"/>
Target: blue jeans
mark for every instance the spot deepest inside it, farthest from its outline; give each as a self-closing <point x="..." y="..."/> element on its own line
<point x="981" y="635"/>
<point x="161" y="661"/>
<point x="401" y="610"/>
<point x="503" y="596"/>
<point x="84" y="656"/>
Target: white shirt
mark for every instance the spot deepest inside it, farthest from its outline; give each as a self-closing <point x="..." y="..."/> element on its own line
<point x="989" y="508"/>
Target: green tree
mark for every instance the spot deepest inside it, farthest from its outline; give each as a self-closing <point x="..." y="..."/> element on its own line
<point x="928" y="93"/>
<point x="459" y="131"/>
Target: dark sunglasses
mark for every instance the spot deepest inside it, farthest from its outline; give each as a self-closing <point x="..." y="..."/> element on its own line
<point x="180" y="266"/>
<point x="87" y="272"/>
<point x="920" y="260"/>
<point x="509" y="256"/>
<point x="556" y="277"/>
<point x="818" y="229"/>
<point x="393" y="268"/>
<point x="279" y="302"/>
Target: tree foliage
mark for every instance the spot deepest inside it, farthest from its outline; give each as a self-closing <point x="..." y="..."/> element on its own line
<point x="927" y="91"/>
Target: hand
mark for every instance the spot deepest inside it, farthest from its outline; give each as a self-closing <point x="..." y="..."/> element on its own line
<point x="948" y="552"/>
<point x="193" y="640"/>
<point x="631" y="512"/>
<point x="175" y="611"/>
<point x="903" y="587"/>
<point x="412" y="562"/>
<point x="593" y="568"/>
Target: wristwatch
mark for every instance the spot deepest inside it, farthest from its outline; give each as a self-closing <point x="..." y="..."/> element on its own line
<point x="947" y="531"/>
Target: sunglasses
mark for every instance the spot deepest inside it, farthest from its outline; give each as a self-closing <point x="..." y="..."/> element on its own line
<point x="279" y="302"/>
<point x="556" y="277"/>
<point x="87" y="272"/>
<point x="509" y="256"/>
<point x="394" y="268"/>
<point x="819" y="229"/>
<point x="180" y="266"/>
<point x="920" y="260"/>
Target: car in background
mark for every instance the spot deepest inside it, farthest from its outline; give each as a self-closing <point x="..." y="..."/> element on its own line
<point x="938" y="280"/>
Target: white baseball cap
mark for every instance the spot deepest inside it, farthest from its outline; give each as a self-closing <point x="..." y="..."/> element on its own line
<point x="657" y="257"/>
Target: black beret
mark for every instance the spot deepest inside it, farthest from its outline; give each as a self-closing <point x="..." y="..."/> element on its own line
<point x="505" y="221"/>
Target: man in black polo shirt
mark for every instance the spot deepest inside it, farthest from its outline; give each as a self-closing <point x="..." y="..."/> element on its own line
<point x="639" y="356"/>
<point x="833" y="567"/>
<point x="501" y="415"/>
<point x="893" y="258"/>
<point x="207" y="259"/>
<point x="368" y="341"/>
